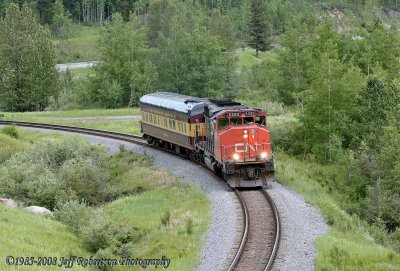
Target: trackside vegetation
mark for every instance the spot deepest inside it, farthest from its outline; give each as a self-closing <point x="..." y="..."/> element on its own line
<point x="105" y="206"/>
<point x="351" y="244"/>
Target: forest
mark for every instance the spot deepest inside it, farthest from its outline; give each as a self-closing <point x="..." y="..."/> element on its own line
<point x="334" y="67"/>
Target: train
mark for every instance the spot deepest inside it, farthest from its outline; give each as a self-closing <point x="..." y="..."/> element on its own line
<point x="229" y="138"/>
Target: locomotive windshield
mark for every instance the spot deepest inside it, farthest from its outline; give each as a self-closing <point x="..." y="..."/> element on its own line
<point x="236" y="121"/>
<point x="222" y="123"/>
<point x="260" y="120"/>
<point x="248" y="120"/>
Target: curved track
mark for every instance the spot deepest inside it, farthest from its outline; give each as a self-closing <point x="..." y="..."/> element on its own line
<point x="261" y="225"/>
<point x="261" y="231"/>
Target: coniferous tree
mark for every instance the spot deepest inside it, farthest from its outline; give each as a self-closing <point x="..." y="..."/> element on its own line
<point x="259" y="26"/>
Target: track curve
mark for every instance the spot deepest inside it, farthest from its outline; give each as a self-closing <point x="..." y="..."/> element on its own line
<point x="261" y="231"/>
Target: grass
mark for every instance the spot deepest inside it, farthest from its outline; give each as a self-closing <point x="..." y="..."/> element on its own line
<point x="349" y="244"/>
<point x="97" y="119"/>
<point x="73" y="113"/>
<point x="171" y="240"/>
<point x="82" y="46"/>
<point x="81" y="73"/>
<point x="247" y="58"/>
<point x="155" y="193"/>
<point x="27" y="235"/>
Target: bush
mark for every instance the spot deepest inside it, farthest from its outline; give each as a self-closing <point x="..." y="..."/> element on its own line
<point x="10" y="131"/>
<point x="56" y="171"/>
<point x="189" y="226"/>
<point x="31" y="183"/>
<point x="74" y="214"/>
<point x="166" y="218"/>
<point x="87" y="180"/>
<point x="95" y="228"/>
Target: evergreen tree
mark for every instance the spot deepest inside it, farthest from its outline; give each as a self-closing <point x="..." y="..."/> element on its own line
<point x="259" y="26"/>
<point x="27" y="62"/>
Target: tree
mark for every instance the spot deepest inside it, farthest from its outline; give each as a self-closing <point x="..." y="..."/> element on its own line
<point x="259" y="26"/>
<point x="294" y="64"/>
<point x="125" y="72"/>
<point x="27" y="62"/>
<point x="330" y="100"/>
<point x="160" y="18"/>
<point x="61" y="22"/>
<point x="192" y="63"/>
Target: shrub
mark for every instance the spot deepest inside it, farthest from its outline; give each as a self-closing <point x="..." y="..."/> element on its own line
<point x="395" y="236"/>
<point x="86" y="179"/>
<point x="74" y="214"/>
<point x="189" y="226"/>
<point x="31" y="183"/>
<point x="57" y="171"/>
<point x="11" y="131"/>
<point x="98" y="232"/>
<point x="166" y="218"/>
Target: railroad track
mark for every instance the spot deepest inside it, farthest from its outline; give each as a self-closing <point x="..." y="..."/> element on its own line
<point x="261" y="231"/>
<point x="261" y="226"/>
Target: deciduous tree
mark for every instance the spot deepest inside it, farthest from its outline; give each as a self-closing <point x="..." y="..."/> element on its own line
<point x="27" y="62"/>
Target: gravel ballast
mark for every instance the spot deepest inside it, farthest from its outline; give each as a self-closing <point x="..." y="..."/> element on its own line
<point x="301" y="223"/>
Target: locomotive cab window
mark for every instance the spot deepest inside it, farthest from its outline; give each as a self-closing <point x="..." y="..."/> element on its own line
<point x="260" y="120"/>
<point x="236" y="121"/>
<point x="222" y="123"/>
<point x="248" y="120"/>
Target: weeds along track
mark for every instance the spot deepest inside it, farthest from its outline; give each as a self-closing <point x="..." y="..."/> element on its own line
<point x="261" y="231"/>
<point x="261" y="226"/>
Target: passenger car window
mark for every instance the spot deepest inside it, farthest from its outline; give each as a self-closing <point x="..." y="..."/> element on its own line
<point x="248" y="120"/>
<point x="260" y="120"/>
<point x="222" y="123"/>
<point x="236" y="121"/>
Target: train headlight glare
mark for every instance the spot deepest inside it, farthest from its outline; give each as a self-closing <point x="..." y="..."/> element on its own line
<point x="264" y="155"/>
<point x="245" y="136"/>
<point x="235" y="156"/>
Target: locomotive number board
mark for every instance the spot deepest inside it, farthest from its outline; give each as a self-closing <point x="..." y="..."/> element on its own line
<point x="237" y="114"/>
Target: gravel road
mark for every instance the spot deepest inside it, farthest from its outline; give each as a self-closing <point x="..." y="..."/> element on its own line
<point x="76" y="65"/>
<point x="301" y="222"/>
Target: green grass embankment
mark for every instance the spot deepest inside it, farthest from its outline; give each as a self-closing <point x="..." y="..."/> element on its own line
<point x="148" y="202"/>
<point x="81" y="46"/>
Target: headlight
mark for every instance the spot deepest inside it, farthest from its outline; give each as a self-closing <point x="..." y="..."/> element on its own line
<point x="236" y="156"/>
<point x="264" y="155"/>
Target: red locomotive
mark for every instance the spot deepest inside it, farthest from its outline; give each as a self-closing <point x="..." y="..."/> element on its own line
<point x="230" y="138"/>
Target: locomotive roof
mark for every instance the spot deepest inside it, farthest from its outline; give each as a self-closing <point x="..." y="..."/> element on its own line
<point x="174" y="101"/>
<point x="217" y="107"/>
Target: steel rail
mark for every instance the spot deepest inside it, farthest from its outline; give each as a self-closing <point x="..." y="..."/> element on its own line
<point x="245" y="230"/>
<point x="277" y="231"/>
<point x="109" y="134"/>
<point x="247" y="221"/>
